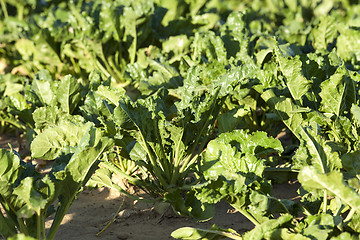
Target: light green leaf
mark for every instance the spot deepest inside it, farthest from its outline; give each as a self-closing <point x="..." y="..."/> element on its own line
<point x="33" y="199"/>
<point x="238" y="151"/>
<point x="292" y="69"/>
<point x="43" y="87"/>
<point x="338" y="92"/>
<point x="68" y="94"/>
<point x="51" y="116"/>
<point x="325" y="33"/>
<point x="348" y="44"/>
<point x="355" y="110"/>
<point x="21" y="236"/>
<point x="189" y="233"/>
<point x="311" y="179"/>
<point x="267" y="227"/>
<point x="49" y="144"/>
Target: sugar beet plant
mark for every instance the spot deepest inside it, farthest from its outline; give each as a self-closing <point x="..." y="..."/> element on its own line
<point x="165" y="140"/>
<point x="28" y="197"/>
<point x="212" y="83"/>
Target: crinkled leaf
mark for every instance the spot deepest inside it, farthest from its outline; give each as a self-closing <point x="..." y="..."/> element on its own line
<point x="355" y="110"/>
<point x="267" y="227"/>
<point x="49" y="144"/>
<point x="347" y="44"/>
<point x="51" y="116"/>
<point x="237" y="151"/>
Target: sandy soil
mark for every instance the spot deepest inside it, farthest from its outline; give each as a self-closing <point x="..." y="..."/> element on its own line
<point x="136" y="220"/>
<point x="93" y="210"/>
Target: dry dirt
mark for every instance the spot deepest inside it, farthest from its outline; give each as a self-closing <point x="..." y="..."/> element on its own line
<point x="93" y="210"/>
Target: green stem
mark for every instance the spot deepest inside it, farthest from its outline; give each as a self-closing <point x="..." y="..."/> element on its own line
<point x="8" y="227"/>
<point x="22" y="226"/>
<point x="325" y="201"/>
<point x="135" y="181"/>
<point x="163" y="161"/>
<point x="119" y="172"/>
<point x="176" y="173"/>
<point x="17" y="125"/>
<point x="43" y="226"/>
<point x="108" y="67"/>
<point x="157" y="171"/>
<point x="115" y="70"/>
<point x="38" y="226"/>
<point x="76" y="66"/>
<point x="20" y="12"/>
<point x="177" y="159"/>
<point x="60" y="213"/>
<point x="350" y="215"/>
<point x="4" y="9"/>
<point x="248" y="216"/>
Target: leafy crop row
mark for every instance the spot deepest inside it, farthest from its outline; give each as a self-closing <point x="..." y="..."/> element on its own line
<point x="185" y="100"/>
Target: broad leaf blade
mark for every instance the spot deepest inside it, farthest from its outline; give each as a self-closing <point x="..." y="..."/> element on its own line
<point x="333" y="182"/>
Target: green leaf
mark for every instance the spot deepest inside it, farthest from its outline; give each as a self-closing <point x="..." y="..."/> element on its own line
<point x="345" y="236"/>
<point x="267" y="228"/>
<point x="45" y="117"/>
<point x="188" y="233"/>
<point x="333" y="182"/>
<point x="286" y="110"/>
<point x="355" y="110"/>
<point x="325" y="32"/>
<point x="285" y="234"/>
<point x="238" y="151"/>
<point x="49" y="144"/>
<point x="347" y="44"/>
<point x="77" y="172"/>
<point x="350" y="162"/>
<point x="292" y="69"/>
<point x="264" y="205"/>
<point x="338" y="92"/>
<point x="68" y="94"/>
<point x="21" y="236"/>
<point x="315" y="151"/>
<point x="9" y="165"/>
<point x="43" y="86"/>
<point x="33" y="199"/>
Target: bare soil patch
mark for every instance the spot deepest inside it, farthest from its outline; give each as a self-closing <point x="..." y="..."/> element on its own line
<point x="137" y="220"/>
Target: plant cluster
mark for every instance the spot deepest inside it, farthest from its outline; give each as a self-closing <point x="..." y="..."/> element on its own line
<point x="185" y="100"/>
